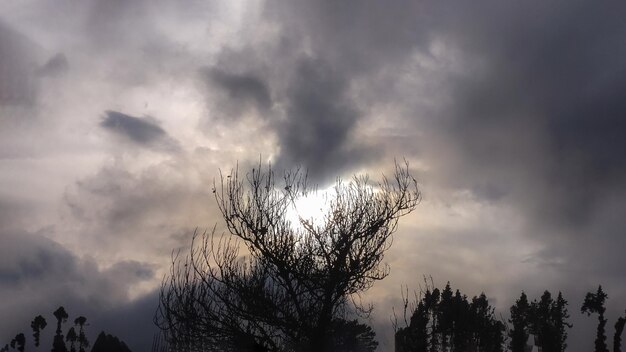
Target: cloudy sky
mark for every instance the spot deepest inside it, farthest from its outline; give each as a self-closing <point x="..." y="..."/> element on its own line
<point x="116" y="116"/>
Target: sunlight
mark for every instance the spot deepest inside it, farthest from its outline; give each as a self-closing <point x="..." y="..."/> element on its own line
<point x="312" y="207"/>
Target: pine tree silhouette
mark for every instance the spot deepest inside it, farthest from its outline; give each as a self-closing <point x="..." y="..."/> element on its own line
<point x="617" y="338"/>
<point x="520" y="312"/>
<point x="58" y="344"/>
<point x="594" y="303"/>
<point x="19" y="342"/>
<point x="38" y="324"/>
<point x="71" y="338"/>
<point x="82" y="338"/>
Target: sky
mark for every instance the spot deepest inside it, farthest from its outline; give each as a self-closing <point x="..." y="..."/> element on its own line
<point x="116" y="116"/>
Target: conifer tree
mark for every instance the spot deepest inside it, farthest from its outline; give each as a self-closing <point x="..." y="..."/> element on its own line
<point x="71" y="338"/>
<point x="38" y="324"/>
<point x="445" y="318"/>
<point x="519" y="318"/>
<point x="460" y="325"/>
<point x="83" y="343"/>
<point x="58" y="344"/>
<point x="594" y="303"/>
<point x="559" y="318"/>
<point x="541" y="322"/>
<point x="19" y="342"/>
<point x="617" y="338"/>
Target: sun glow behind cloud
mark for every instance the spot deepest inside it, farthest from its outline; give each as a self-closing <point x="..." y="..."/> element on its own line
<point x="313" y="207"/>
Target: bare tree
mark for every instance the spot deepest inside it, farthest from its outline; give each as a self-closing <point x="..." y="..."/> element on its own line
<point x="293" y="287"/>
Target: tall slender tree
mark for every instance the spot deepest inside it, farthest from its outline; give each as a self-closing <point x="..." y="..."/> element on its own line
<point x="594" y="303"/>
<point x="71" y="337"/>
<point x="519" y="318"/>
<point x="38" y="324"/>
<point x="431" y="302"/>
<point x="559" y="316"/>
<point x="83" y="343"/>
<point x="541" y="323"/>
<point x="19" y="342"/>
<point x="445" y="317"/>
<point x="617" y="338"/>
<point x="58" y="344"/>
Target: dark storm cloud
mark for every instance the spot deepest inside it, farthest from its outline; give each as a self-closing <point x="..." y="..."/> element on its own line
<point x="553" y="77"/>
<point x="320" y="119"/>
<point x="313" y="82"/>
<point x="40" y="274"/>
<point x="356" y="36"/>
<point x="142" y="131"/>
<point x="139" y="130"/>
<point x="29" y="259"/>
<point x="242" y="88"/>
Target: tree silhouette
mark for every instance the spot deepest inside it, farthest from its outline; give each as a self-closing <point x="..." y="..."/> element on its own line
<point x="352" y="336"/>
<point x="19" y="342"/>
<point x="108" y="343"/>
<point x="594" y="303"/>
<point x="458" y="325"/>
<point x="296" y="279"/>
<point x="5" y="348"/>
<point x="445" y="316"/>
<point x="541" y="323"/>
<point x="82" y="338"/>
<point x="520" y="312"/>
<point x="58" y="344"/>
<point x="559" y="316"/>
<point x="71" y="338"/>
<point x="617" y="338"/>
<point x="38" y="324"/>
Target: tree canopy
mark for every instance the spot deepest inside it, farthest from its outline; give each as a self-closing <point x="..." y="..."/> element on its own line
<point x="295" y="285"/>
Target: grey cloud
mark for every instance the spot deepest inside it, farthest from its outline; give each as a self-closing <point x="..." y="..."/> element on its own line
<point x="32" y="259"/>
<point x="117" y="208"/>
<point x="320" y="119"/>
<point x="40" y="274"/>
<point x="547" y="105"/>
<point x="17" y="68"/>
<point x="142" y="131"/>
<point x="55" y="66"/>
<point x="357" y="37"/>
<point x="242" y="88"/>
<point x="139" y="130"/>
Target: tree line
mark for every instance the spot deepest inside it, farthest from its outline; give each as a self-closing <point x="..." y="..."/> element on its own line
<point x="272" y="283"/>
<point x="446" y="321"/>
<point x="75" y="336"/>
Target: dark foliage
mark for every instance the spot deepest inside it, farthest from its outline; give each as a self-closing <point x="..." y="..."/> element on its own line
<point x="617" y="338"/>
<point x="520" y="317"/>
<point x="58" y="344"/>
<point x="19" y="342"/>
<point x="38" y="324"/>
<point x="109" y="343"/>
<point x="594" y="303"/>
<point x="547" y="320"/>
<point x="71" y="337"/>
<point x="82" y="338"/>
<point x="446" y="322"/>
